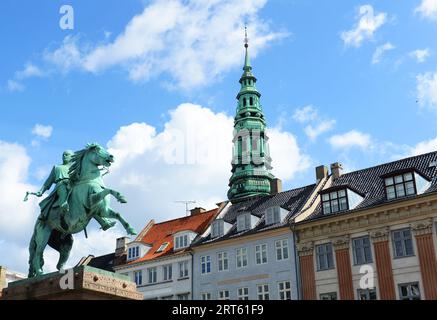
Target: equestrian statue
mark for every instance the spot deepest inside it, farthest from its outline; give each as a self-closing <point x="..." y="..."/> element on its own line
<point x="78" y="196"/>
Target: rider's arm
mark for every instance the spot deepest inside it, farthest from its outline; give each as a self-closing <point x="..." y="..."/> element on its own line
<point x="48" y="183"/>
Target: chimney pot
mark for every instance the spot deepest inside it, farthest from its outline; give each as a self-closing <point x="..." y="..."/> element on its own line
<point x="197" y="210"/>
<point x="275" y="186"/>
<point x="121" y="246"/>
<point x="321" y="173"/>
<point x="336" y="170"/>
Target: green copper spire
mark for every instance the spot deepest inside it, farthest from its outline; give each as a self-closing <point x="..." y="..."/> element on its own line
<point x="251" y="162"/>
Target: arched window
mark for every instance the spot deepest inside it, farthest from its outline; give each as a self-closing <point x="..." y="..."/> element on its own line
<point x="244" y="102"/>
<point x="251" y="101"/>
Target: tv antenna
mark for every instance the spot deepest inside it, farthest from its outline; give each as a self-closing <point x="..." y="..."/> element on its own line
<point x="186" y="202"/>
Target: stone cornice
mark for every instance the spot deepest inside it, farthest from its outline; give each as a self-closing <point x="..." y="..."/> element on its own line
<point x="379" y="235"/>
<point x="305" y="248"/>
<point x="422" y="227"/>
<point x="419" y="208"/>
<point x="341" y="242"/>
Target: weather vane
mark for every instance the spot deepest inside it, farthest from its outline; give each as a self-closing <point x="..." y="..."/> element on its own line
<point x="246" y="39"/>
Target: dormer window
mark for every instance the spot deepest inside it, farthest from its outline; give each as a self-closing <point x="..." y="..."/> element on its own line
<point x="181" y="241"/>
<point x="162" y="247"/>
<point x="133" y="253"/>
<point x="340" y="198"/>
<point x="217" y="228"/>
<point x="400" y="186"/>
<point x="273" y="215"/>
<point x="334" y="201"/>
<point x="243" y="222"/>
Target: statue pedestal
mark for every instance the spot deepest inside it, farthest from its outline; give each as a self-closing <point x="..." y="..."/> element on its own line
<point x="81" y="283"/>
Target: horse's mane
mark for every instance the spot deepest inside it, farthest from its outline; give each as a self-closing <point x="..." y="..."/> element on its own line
<point x="76" y="166"/>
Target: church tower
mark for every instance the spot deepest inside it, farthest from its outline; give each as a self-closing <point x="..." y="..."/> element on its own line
<point x="251" y="162"/>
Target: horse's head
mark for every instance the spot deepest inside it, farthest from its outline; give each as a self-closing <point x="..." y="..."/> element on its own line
<point x="99" y="156"/>
<point x="85" y="161"/>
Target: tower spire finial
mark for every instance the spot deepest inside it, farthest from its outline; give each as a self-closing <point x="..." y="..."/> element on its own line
<point x="247" y="66"/>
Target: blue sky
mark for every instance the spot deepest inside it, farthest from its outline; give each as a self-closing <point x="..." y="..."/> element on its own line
<point x="349" y="81"/>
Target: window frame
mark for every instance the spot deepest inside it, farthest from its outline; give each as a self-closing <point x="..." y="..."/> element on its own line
<point x="152" y="272"/>
<point x="403" y="183"/>
<point x="226" y="295"/>
<point x="281" y="249"/>
<point x="138" y="277"/>
<point x="271" y="212"/>
<point x="244" y="257"/>
<point x="205" y="260"/>
<point x="263" y="292"/>
<point x="285" y="291"/>
<point x="260" y="253"/>
<point x="330" y="294"/>
<point x="181" y="244"/>
<point x="403" y="239"/>
<point x="409" y="296"/>
<point x="243" y="295"/>
<point x="367" y="292"/>
<point x="220" y="225"/>
<point x="222" y="261"/>
<point x="325" y="254"/>
<point x="204" y="295"/>
<point x="331" y="200"/>
<point x="167" y="272"/>
<point x="354" y="252"/>
<point x="183" y="269"/>
<point x="246" y="222"/>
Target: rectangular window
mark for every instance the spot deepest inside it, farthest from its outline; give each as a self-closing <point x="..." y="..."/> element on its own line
<point x="205" y="264"/>
<point x="181" y="241"/>
<point x="224" y="295"/>
<point x="222" y="259"/>
<point x="217" y="228"/>
<point x="281" y="249"/>
<point x="362" y="250"/>
<point x="273" y="215"/>
<point x="183" y="269"/>
<point x="325" y="259"/>
<point x="328" y="296"/>
<point x="400" y="186"/>
<point x="133" y="252"/>
<point x="152" y="274"/>
<point x="261" y="253"/>
<point x="334" y="201"/>
<point x="184" y="296"/>
<point x="167" y="272"/>
<point x="243" y="222"/>
<point x="241" y="257"/>
<point x="138" y="275"/>
<point x="284" y="289"/>
<point x="367" y="294"/>
<point x="409" y="291"/>
<point x="243" y="294"/>
<point x="263" y="292"/>
<point x="402" y="243"/>
<point x="205" y="296"/>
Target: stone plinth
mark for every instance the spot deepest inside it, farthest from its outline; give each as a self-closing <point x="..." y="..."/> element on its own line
<point x="80" y="283"/>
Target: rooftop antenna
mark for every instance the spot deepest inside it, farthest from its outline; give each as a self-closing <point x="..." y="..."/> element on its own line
<point x="186" y="202"/>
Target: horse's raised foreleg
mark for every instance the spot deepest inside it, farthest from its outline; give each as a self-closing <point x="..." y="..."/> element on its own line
<point x="115" y="215"/>
<point x="41" y="235"/>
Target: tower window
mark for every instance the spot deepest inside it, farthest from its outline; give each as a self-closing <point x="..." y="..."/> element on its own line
<point x="251" y="101"/>
<point x="244" y="102"/>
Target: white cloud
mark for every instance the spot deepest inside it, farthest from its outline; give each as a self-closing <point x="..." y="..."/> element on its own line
<point x="350" y="139"/>
<point x="42" y="131"/>
<point x="193" y="42"/>
<point x="305" y="114"/>
<point x="428" y="9"/>
<point x="427" y="90"/>
<point x="424" y="147"/>
<point x="365" y="28"/>
<point x="314" y="131"/>
<point x="420" y="54"/>
<point x="318" y="126"/>
<point x="379" y="52"/>
<point x="30" y="70"/>
<point x="188" y="160"/>
<point x="15" y="86"/>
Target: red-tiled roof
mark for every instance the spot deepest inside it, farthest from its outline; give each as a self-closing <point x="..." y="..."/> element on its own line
<point x="163" y="232"/>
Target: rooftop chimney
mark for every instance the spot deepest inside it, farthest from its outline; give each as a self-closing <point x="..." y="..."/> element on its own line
<point x="336" y="170"/>
<point x="197" y="210"/>
<point x="275" y="186"/>
<point x="121" y="246"/>
<point x="321" y="173"/>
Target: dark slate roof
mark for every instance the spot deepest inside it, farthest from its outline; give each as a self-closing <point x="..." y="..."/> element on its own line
<point x="370" y="183"/>
<point x="291" y="200"/>
<point x="105" y="262"/>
